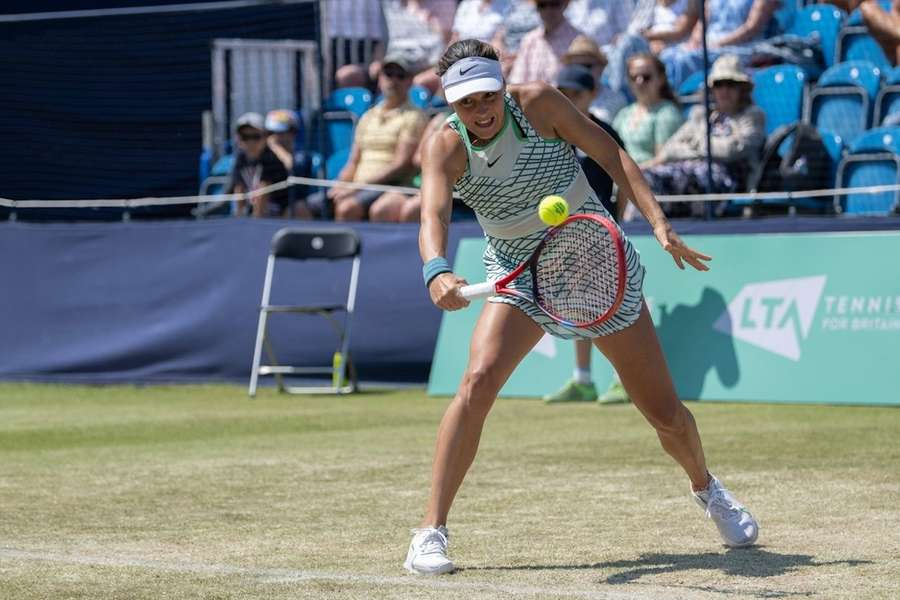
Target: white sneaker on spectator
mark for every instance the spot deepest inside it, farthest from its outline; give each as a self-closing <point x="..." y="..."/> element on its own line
<point x="428" y="552"/>
<point x="736" y="525"/>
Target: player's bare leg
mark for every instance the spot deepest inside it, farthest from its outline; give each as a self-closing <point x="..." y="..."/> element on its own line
<point x="636" y="354"/>
<point x="502" y="338"/>
<point x="638" y="358"/>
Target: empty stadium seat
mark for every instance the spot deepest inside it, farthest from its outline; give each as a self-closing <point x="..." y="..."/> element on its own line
<point x="778" y="91"/>
<point x="335" y="162"/>
<point x="854" y="41"/>
<point x="888" y="101"/>
<point x="823" y="21"/>
<point x="420" y="97"/>
<point x="873" y="159"/>
<point x="843" y="99"/>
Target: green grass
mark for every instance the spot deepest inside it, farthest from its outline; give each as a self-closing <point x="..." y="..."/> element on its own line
<point x="199" y="492"/>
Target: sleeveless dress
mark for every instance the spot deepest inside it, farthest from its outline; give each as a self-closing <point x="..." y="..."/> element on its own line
<point x="504" y="182"/>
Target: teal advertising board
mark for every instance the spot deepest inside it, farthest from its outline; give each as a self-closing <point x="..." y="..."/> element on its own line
<point x="809" y="318"/>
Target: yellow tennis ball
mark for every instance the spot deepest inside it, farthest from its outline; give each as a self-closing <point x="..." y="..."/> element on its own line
<point x="553" y="210"/>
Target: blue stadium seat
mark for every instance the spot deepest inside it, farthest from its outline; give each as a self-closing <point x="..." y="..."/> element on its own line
<point x="824" y="21"/>
<point x="873" y="159"/>
<point x="420" y="97"/>
<point x="778" y="91"/>
<point x="856" y="43"/>
<point x="842" y="101"/>
<point x="356" y="100"/>
<point x="888" y="101"/>
<point x="690" y="92"/>
<point x="335" y="162"/>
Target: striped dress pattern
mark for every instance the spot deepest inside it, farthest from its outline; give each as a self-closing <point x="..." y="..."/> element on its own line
<point x="540" y="167"/>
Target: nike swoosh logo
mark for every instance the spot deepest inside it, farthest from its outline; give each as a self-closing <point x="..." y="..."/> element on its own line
<point x="463" y="72"/>
<point x="491" y="164"/>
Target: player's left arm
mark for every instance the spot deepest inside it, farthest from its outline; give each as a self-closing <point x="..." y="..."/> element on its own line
<point x="577" y="129"/>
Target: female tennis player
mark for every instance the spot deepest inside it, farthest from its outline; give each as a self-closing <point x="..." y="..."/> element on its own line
<point x="503" y="150"/>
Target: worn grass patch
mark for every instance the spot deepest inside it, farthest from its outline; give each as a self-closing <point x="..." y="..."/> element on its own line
<point x="199" y="492"/>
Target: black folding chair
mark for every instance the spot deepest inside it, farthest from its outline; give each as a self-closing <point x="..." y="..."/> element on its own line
<point x="310" y="244"/>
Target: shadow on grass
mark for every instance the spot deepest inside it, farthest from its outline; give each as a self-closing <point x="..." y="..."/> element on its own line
<point x="755" y="562"/>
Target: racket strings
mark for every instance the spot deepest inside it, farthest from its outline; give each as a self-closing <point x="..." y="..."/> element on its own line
<point x="577" y="274"/>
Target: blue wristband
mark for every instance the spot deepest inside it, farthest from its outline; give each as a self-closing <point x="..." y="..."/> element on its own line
<point x="435" y="267"/>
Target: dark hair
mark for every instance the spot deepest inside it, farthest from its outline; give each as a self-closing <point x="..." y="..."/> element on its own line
<point x="464" y="49"/>
<point x="665" y="90"/>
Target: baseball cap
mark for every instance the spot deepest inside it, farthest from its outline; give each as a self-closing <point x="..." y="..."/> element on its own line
<point x="250" y="119"/>
<point x="400" y="59"/>
<point x="471" y="75"/>
<point x="281" y="120"/>
<point x="576" y="77"/>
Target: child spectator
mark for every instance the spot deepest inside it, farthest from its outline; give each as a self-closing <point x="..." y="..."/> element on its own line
<point x="256" y="167"/>
<point x="283" y="126"/>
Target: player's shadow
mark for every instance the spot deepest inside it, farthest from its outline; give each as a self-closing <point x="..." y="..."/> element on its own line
<point x="755" y="562"/>
<point x="697" y="339"/>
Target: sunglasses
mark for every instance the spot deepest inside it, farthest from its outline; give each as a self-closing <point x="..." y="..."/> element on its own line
<point x="641" y="77"/>
<point x="394" y="73"/>
<point x="250" y="137"/>
<point x="725" y="83"/>
<point x="543" y="5"/>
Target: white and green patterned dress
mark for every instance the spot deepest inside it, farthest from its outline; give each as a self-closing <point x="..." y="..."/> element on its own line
<point x="504" y="182"/>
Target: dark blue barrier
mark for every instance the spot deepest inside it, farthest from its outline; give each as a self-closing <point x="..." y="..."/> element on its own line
<point x="178" y="301"/>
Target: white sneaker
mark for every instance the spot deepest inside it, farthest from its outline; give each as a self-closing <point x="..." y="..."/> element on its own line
<point x="428" y="552"/>
<point x="736" y="525"/>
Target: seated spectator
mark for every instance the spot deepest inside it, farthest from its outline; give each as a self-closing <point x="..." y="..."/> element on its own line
<point x="282" y="126"/>
<point x="357" y="35"/>
<point x="737" y="137"/>
<point x="655" y="25"/>
<point x="732" y="27"/>
<point x="884" y="27"/>
<point x="384" y="142"/>
<point x="542" y="49"/>
<point x="579" y="85"/>
<point x="420" y="30"/>
<point x="585" y="52"/>
<point x="520" y="20"/>
<point x="479" y="19"/>
<point x="255" y="167"/>
<point x="397" y="207"/>
<point x="655" y="116"/>
<point x="601" y="20"/>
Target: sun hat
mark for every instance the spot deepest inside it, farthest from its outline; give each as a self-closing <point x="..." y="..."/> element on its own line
<point x="728" y="68"/>
<point x="584" y="47"/>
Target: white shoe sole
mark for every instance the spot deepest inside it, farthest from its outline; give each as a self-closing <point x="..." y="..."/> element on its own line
<point x="449" y="568"/>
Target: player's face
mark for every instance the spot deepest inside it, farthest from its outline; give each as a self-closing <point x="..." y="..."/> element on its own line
<point x="482" y="113"/>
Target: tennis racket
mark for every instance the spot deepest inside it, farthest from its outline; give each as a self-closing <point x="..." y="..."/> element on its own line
<point x="577" y="273"/>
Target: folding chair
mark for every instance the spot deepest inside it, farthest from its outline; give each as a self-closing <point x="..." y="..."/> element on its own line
<point x="310" y="244"/>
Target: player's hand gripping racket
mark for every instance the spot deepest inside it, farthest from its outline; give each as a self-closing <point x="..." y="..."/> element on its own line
<point x="577" y="273"/>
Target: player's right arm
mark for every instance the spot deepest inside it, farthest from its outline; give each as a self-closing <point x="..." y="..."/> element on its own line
<point x="443" y="162"/>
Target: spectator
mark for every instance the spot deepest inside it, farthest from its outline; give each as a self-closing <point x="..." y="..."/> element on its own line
<point x="256" y="167"/>
<point x="579" y="85"/>
<point x="737" y="133"/>
<point x="521" y="19"/>
<point x="357" y="34"/>
<point x="884" y="27"/>
<point x="398" y="207"/>
<point x="601" y="20"/>
<point x="282" y="126"/>
<point x="654" y="117"/>
<point x="384" y="142"/>
<point x="732" y="26"/>
<point x="479" y="19"/>
<point x="584" y="51"/>
<point x="542" y="49"/>
<point x="420" y="30"/>
<point x="655" y="25"/>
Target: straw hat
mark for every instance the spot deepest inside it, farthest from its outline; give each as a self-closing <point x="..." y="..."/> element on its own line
<point x="583" y="47"/>
<point x="728" y="68"/>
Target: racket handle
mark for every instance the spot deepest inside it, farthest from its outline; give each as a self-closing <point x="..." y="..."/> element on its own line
<point x="477" y="290"/>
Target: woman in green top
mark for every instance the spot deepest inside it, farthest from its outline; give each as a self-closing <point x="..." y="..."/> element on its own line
<point x="646" y="124"/>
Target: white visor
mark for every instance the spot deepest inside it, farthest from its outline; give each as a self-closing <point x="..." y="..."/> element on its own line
<point x="470" y="76"/>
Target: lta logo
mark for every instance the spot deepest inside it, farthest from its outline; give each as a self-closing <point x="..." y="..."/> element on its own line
<point x="774" y="315"/>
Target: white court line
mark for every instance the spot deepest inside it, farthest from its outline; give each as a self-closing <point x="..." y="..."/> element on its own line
<point x="280" y="576"/>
